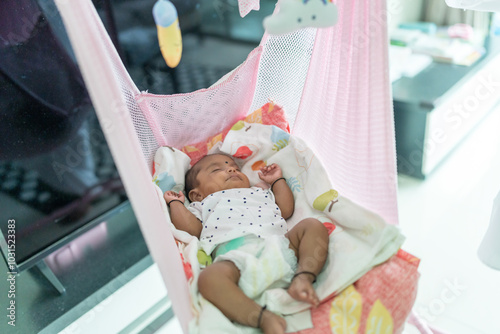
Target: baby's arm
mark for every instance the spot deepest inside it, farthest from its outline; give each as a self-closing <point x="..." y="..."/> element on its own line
<point x="181" y="217"/>
<point x="281" y="190"/>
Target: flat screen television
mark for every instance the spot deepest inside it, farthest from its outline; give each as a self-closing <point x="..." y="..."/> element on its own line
<point x="57" y="176"/>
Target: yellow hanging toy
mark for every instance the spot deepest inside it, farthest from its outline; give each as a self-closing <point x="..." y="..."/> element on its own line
<point x="169" y="32"/>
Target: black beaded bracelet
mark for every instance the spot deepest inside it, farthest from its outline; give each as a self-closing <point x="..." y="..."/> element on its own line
<point x="259" y="320"/>
<point x="305" y="272"/>
<point x="175" y="200"/>
<point x="281" y="178"/>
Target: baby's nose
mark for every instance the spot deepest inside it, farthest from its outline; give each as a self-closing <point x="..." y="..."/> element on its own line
<point x="231" y="169"/>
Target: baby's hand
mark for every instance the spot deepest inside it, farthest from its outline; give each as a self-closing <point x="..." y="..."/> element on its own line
<point x="270" y="173"/>
<point x="171" y="195"/>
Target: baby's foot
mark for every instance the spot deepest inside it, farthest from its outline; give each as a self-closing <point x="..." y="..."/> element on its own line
<point x="301" y="289"/>
<point x="272" y="323"/>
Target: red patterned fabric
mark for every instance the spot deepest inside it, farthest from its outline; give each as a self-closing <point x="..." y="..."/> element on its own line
<point x="382" y="298"/>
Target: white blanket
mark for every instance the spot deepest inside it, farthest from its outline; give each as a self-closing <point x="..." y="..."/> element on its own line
<point x="360" y="240"/>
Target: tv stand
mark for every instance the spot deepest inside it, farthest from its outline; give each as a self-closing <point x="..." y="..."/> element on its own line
<point x="51" y="277"/>
<point x="41" y="265"/>
<point x="436" y="109"/>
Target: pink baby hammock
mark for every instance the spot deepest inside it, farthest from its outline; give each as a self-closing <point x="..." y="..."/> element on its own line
<point x="333" y="84"/>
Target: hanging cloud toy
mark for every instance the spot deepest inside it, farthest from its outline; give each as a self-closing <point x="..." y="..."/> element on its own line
<point x="169" y="32"/>
<point x="297" y="14"/>
<point x="480" y="5"/>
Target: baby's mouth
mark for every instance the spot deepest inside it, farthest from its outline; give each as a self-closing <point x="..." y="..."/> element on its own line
<point x="234" y="176"/>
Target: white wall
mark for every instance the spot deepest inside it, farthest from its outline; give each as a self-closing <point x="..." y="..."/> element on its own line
<point x="403" y="11"/>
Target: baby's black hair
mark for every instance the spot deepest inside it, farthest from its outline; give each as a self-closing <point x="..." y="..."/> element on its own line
<point x="192" y="173"/>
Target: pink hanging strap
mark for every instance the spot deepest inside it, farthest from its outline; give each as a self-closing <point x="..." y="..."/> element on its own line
<point x="245" y="6"/>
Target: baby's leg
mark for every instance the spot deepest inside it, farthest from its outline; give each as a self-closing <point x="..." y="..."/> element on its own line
<point x="309" y="241"/>
<point x="218" y="283"/>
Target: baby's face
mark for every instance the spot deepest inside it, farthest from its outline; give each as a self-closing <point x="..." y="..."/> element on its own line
<point x="219" y="172"/>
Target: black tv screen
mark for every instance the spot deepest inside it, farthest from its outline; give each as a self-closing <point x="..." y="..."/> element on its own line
<point x="56" y="172"/>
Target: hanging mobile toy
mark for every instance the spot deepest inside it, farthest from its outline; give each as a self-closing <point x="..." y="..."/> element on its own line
<point x="169" y="32"/>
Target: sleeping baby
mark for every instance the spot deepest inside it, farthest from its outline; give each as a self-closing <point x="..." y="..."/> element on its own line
<point x="245" y="231"/>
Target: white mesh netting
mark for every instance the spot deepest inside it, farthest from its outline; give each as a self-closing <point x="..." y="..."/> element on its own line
<point x="274" y="71"/>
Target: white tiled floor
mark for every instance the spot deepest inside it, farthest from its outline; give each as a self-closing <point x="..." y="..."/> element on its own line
<point x="444" y="219"/>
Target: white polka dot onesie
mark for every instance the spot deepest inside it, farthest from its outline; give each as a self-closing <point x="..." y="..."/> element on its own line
<point x="233" y="213"/>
